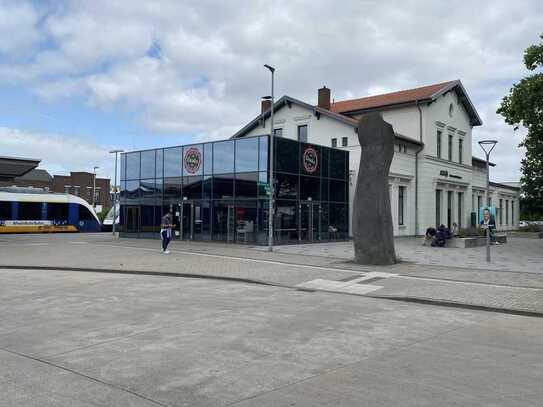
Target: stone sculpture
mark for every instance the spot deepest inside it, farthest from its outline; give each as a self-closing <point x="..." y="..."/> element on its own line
<point x="373" y="231"/>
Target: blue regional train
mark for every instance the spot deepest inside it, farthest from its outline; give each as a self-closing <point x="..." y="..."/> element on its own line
<point x="37" y="212"/>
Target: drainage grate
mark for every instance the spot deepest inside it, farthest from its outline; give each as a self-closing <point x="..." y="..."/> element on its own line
<point x="370" y="280"/>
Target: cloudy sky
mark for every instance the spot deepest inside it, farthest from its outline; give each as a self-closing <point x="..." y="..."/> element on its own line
<point x="78" y="78"/>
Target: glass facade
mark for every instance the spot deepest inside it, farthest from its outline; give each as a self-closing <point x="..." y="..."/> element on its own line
<point x="219" y="191"/>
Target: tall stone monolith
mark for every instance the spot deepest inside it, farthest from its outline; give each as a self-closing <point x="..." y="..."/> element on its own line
<point x="373" y="230"/>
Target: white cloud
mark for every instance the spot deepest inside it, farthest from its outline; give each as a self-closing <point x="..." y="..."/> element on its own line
<point x="59" y="154"/>
<point x="196" y="67"/>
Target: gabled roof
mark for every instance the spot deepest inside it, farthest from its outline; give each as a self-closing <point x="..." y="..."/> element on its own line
<point x="422" y="94"/>
<point x="36" y="175"/>
<point x="286" y="100"/>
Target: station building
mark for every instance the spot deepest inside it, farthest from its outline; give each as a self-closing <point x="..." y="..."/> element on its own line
<point x="217" y="190"/>
<point x="434" y="177"/>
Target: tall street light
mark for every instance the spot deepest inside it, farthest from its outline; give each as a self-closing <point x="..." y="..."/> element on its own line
<point x="272" y="185"/>
<point x="488" y="146"/>
<point x="94" y="188"/>
<point x="115" y="191"/>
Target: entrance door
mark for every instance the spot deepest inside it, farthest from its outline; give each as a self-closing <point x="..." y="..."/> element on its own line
<point x="132" y="219"/>
<point x="309" y="221"/>
<point x="224" y="221"/>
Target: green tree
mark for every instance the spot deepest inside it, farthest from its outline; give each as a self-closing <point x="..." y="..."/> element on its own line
<point x="523" y="106"/>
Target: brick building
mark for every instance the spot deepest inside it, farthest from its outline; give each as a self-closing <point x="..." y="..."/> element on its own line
<point x="81" y="184"/>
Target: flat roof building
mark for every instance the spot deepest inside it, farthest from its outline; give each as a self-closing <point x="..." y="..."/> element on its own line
<point x="218" y="191"/>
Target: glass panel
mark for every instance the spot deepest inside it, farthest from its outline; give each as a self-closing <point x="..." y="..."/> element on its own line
<point x="247" y="155"/>
<point x="172" y="189"/>
<point x="172" y="162"/>
<point x="325" y="234"/>
<point x="286" y="221"/>
<point x="132" y="191"/>
<point x="310" y="159"/>
<point x="324" y="189"/>
<point x="262" y="226"/>
<point x="5" y="210"/>
<point x="287" y="186"/>
<point x="133" y="165"/>
<point x="223" y="220"/>
<point x="208" y="183"/>
<point x="159" y="163"/>
<point x="192" y="187"/>
<point x="263" y="154"/>
<point x="286" y="155"/>
<point x="338" y="164"/>
<point x="147" y="187"/>
<point x="338" y="220"/>
<point x="147" y="164"/>
<point x="325" y="152"/>
<point x="246" y="219"/>
<point x="338" y="191"/>
<point x="246" y="185"/>
<point x="206" y="220"/>
<point x="223" y="157"/>
<point x="310" y="188"/>
<point x="262" y="180"/>
<point x="223" y="186"/>
<point x="148" y="219"/>
<point x="123" y="166"/>
<point x="192" y="160"/>
<point x="208" y="158"/>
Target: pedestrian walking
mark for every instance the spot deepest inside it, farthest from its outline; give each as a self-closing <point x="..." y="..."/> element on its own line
<point x="166" y="232"/>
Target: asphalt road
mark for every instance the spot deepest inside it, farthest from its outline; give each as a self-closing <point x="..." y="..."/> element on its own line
<point x="92" y="339"/>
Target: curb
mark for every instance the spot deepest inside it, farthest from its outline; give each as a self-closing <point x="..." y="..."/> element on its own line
<point x="454" y="304"/>
<point x="149" y="273"/>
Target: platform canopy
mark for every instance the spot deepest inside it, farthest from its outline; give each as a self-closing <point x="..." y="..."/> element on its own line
<point x="12" y="167"/>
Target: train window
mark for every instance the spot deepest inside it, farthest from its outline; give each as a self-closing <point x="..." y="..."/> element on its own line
<point x="5" y="210"/>
<point x="57" y="211"/>
<point x="84" y="213"/>
<point x="30" y="211"/>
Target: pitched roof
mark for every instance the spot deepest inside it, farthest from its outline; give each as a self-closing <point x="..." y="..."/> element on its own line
<point x="422" y="94"/>
<point x="36" y="175"/>
<point x="287" y="100"/>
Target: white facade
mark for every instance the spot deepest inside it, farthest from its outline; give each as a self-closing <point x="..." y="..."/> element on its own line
<point x="450" y="185"/>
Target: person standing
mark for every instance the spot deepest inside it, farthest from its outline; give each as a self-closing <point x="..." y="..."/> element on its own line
<point x="166" y="231"/>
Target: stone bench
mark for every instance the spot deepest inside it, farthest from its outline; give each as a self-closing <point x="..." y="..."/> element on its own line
<point x="527" y="235"/>
<point x="476" y="241"/>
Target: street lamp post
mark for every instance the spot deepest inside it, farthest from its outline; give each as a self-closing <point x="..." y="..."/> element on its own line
<point x="488" y="146"/>
<point x="271" y="183"/>
<point x="115" y="191"/>
<point x="94" y="187"/>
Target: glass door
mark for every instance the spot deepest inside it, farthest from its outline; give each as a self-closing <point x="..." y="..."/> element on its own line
<point x="309" y="224"/>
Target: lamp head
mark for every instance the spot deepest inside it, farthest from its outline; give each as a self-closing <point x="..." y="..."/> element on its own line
<point x="488" y="145"/>
<point x="271" y="68"/>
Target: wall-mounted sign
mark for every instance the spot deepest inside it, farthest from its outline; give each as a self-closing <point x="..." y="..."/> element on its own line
<point x="445" y="173"/>
<point x="192" y="160"/>
<point x="310" y="160"/>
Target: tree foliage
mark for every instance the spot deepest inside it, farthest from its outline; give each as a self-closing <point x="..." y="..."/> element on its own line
<point x="523" y="106"/>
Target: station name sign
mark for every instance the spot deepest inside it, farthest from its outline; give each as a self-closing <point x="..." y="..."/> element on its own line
<point x="445" y="173"/>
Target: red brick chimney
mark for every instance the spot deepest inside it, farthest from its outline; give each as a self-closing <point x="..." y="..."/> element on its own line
<point x="265" y="105"/>
<point x="324" y="98"/>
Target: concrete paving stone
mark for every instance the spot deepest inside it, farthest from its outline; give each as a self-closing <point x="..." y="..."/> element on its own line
<point x="211" y="343"/>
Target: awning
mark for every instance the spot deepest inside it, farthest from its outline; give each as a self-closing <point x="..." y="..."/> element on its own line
<point x="12" y="167"/>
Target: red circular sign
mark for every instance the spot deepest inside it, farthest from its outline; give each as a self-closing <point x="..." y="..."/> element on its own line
<point x="310" y="160"/>
<point x="192" y="160"/>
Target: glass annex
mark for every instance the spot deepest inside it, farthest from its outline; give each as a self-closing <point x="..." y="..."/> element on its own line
<point x="218" y="191"/>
